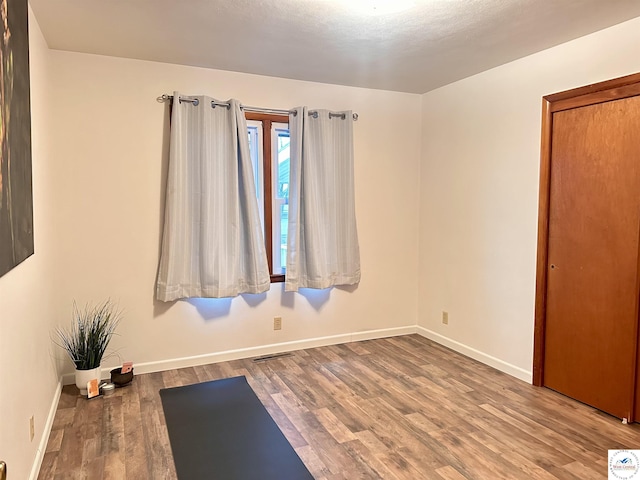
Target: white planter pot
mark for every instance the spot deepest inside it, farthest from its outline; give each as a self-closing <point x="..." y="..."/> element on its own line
<point x="84" y="376"/>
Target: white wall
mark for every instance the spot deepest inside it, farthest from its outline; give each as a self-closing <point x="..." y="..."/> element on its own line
<point x="455" y="186"/>
<point x="28" y="374"/>
<point x="110" y="151"/>
<point x="479" y="193"/>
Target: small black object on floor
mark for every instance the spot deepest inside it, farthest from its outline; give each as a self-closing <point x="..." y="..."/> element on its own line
<point x="221" y="430"/>
<point x="120" y="379"/>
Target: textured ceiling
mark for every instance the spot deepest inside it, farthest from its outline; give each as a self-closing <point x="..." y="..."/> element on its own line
<point x="433" y="43"/>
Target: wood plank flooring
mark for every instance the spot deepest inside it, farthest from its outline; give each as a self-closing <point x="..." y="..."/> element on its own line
<point x="395" y="408"/>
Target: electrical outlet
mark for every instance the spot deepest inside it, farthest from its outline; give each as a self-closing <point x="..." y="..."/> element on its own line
<point x="32" y="429"/>
<point x="445" y="318"/>
<point x="277" y="323"/>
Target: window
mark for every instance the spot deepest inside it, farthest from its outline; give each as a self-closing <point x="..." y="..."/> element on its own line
<point x="270" y="133"/>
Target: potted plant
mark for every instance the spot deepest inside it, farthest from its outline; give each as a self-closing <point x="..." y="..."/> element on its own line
<point x="87" y="339"/>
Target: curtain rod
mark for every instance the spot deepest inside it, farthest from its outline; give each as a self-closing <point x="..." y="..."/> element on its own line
<point x="194" y="101"/>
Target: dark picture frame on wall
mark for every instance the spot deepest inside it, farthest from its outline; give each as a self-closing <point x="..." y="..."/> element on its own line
<point x="16" y="196"/>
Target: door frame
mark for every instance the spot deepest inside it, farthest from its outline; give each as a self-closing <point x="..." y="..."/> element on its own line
<point x="616" y="89"/>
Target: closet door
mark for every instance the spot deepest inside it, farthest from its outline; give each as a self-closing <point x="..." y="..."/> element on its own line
<point x="591" y="269"/>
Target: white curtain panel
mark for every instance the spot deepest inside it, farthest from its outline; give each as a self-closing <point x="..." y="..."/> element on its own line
<point x="212" y="243"/>
<point x="322" y="248"/>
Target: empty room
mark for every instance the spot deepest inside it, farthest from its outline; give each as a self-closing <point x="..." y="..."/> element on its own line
<point x="329" y="239"/>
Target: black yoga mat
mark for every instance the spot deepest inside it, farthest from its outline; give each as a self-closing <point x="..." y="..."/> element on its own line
<point x="221" y="431"/>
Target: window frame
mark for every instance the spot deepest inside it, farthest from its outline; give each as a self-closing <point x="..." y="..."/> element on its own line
<point x="267" y="120"/>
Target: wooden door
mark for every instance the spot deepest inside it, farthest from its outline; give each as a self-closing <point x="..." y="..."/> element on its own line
<point x="588" y="298"/>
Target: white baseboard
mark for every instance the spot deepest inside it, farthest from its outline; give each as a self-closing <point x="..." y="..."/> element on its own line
<point x="250" y="352"/>
<point x="42" y="446"/>
<point x="494" y="362"/>
<point x="383" y="333"/>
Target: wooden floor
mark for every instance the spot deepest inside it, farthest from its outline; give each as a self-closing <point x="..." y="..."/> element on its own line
<point x="396" y="408"/>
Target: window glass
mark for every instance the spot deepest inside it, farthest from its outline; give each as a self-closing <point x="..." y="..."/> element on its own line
<point x="254" y="130"/>
<point x="280" y="134"/>
<point x="271" y="134"/>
